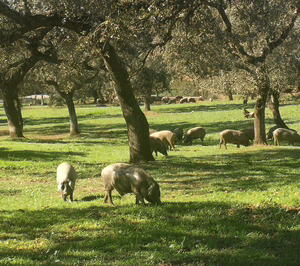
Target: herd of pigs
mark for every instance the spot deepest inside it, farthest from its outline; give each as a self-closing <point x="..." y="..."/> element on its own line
<point x="127" y="178"/>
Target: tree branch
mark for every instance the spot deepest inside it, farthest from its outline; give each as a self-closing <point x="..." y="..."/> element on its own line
<point x="284" y="34"/>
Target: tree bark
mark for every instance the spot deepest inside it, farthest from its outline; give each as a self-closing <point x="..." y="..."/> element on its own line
<point x="137" y="124"/>
<point x="259" y="122"/>
<point x="68" y="97"/>
<point x="12" y="107"/>
<point x="74" y="127"/>
<point x="274" y="107"/>
<point x="229" y="94"/>
<point x="263" y="84"/>
<point x="147" y="103"/>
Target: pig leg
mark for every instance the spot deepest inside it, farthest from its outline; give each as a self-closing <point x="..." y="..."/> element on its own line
<point x="139" y="198"/>
<point x="64" y="197"/>
<point x="108" y="195"/>
<point x="71" y="196"/>
<point x="173" y="147"/>
<point x="221" y="142"/>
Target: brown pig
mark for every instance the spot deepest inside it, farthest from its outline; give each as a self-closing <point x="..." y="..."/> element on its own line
<point x="127" y="178"/>
<point x="66" y="178"/>
<point x="167" y="137"/>
<point x="194" y="133"/>
<point x="157" y="145"/>
<point x="234" y="137"/>
<point x="283" y="134"/>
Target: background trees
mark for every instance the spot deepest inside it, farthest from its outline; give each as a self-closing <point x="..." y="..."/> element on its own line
<point x="204" y="39"/>
<point x="227" y="35"/>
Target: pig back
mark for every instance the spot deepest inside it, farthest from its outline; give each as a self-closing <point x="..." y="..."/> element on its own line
<point x="66" y="173"/>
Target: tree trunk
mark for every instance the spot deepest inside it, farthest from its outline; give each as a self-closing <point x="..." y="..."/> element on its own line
<point x="68" y="97"/>
<point x="229" y="94"/>
<point x="263" y="84"/>
<point x="259" y="122"/>
<point x="274" y="107"/>
<point x="74" y="127"/>
<point x="12" y="107"/>
<point x="137" y="124"/>
<point x="95" y="95"/>
<point x="147" y="102"/>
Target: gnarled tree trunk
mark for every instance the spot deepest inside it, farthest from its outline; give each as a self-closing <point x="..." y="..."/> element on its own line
<point x="137" y="124"/>
<point x="74" y="127"/>
<point x="274" y="107"/>
<point x="259" y="122"/>
<point x="12" y="107"/>
<point x="263" y="84"/>
<point x="68" y="97"/>
<point x="147" y="103"/>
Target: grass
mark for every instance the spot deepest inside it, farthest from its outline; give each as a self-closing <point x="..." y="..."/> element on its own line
<point x="220" y="207"/>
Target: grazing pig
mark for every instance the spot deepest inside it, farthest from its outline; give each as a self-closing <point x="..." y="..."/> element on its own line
<point x="126" y="178"/>
<point x="167" y="137"/>
<point x="66" y="178"/>
<point x="249" y="132"/>
<point x="183" y="100"/>
<point x="178" y="134"/>
<point x="152" y="131"/>
<point x="234" y="137"/>
<point x="191" y="99"/>
<point x="157" y="145"/>
<point x="271" y="130"/>
<point x="172" y="100"/>
<point x="194" y="133"/>
<point x="283" y="134"/>
<point x="165" y="99"/>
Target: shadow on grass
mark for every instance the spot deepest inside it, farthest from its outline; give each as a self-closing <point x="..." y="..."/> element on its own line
<point x="66" y="119"/>
<point x="90" y="198"/>
<point x="55" y="126"/>
<point x="255" y="171"/>
<point x="30" y="155"/>
<point x="187" y="108"/>
<point x="210" y="233"/>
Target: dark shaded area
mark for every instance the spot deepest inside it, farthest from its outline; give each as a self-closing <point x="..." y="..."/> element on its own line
<point x="179" y="233"/>
<point x="90" y="198"/>
<point x="31" y="155"/>
<point x="228" y="171"/>
<point x="205" y="108"/>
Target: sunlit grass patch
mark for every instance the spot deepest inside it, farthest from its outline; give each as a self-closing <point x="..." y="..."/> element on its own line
<point x="220" y="207"/>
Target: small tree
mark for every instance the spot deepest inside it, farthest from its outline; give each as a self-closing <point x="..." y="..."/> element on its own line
<point x="151" y="79"/>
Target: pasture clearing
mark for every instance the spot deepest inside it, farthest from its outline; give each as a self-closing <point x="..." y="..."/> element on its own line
<point x="220" y="207"/>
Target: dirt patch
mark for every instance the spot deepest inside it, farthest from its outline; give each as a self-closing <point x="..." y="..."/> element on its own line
<point x="4" y="132"/>
<point x="49" y="137"/>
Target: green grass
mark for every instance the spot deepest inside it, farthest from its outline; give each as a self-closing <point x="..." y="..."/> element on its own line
<point x="220" y="207"/>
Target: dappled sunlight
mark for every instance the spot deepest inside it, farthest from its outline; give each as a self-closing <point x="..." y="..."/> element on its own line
<point x="214" y="200"/>
<point x="167" y="230"/>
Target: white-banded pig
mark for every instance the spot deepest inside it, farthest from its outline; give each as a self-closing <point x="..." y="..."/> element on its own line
<point x="157" y="145"/>
<point x="167" y="137"/>
<point x="288" y="135"/>
<point x="233" y="137"/>
<point x="194" y="133"/>
<point x="127" y="178"/>
<point x="66" y="179"/>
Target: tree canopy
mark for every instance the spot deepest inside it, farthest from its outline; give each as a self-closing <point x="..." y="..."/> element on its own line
<point x="203" y="39"/>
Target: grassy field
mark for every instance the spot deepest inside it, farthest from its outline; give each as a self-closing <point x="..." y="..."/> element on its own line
<point x="220" y="207"/>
